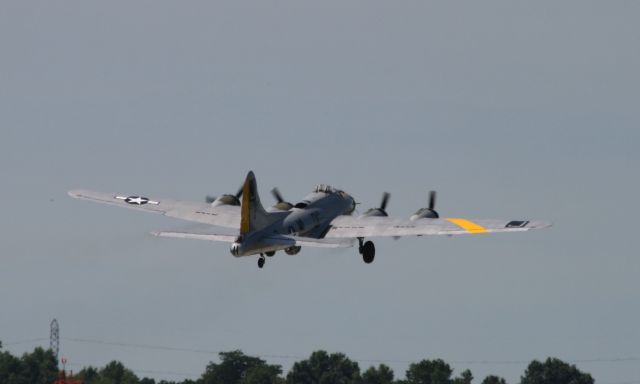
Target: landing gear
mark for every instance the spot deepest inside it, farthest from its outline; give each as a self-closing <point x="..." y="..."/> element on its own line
<point x="367" y="250"/>
<point x="261" y="261"/>
<point x="270" y="253"/>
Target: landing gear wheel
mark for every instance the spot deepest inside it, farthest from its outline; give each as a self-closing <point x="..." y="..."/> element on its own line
<point x="261" y="261"/>
<point x="368" y="252"/>
<point x="270" y="253"/>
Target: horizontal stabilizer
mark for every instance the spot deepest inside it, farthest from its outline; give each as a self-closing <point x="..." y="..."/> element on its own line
<point x="197" y="236"/>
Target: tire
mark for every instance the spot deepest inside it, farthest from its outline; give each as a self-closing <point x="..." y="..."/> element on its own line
<point x="368" y="252"/>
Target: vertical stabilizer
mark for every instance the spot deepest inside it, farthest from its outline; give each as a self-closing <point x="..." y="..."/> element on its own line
<point x="253" y="215"/>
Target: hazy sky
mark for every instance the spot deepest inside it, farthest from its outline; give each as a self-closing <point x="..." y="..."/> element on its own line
<point x="508" y="109"/>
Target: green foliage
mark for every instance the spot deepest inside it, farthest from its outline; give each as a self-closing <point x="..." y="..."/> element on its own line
<point x="10" y="368"/>
<point x="491" y="379"/>
<point x="237" y="368"/>
<point x="465" y="378"/>
<point x="89" y="375"/>
<point x="38" y="367"/>
<point x="429" y="372"/>
<point x="381" y="375"/>
<point x="554" y="371"/>
<point x="116" y="373"/>
<point x="322" y="368"/>
<point x="263" y="374"/>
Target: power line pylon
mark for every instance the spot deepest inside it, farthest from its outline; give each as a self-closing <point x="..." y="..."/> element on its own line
<point x="54" y="338"/>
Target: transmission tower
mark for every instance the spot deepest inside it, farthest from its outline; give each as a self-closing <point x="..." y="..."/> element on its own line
<point x="54" y="337"/>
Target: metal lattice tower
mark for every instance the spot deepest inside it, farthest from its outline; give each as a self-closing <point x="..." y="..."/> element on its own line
<point x="54" y="337"/>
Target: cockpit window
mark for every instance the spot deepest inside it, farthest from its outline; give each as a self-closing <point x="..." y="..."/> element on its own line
<point x="301" y="205"/>
<point x="324" y="188"/>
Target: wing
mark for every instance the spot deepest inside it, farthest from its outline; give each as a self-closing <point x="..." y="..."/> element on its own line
<point x="347" y="226"/>
<point x="223" y="215"/>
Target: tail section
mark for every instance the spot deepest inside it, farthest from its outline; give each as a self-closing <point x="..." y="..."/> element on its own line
<point x="253" y="215"/>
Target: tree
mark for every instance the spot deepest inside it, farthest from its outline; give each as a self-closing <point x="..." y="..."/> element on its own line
<point x="322" y="368"/>
<point x="554" y="371"/>
<point x="491" y="379"/>
<point x="236" y="368"/>
<point x="263" y="374"/>
<point x="89" y="375"/>
<point x="116" y="373"/>
<point x="10" y="368"/>
<point x="429" y="372"/>
<point x="39" y="366"/>
<point x="465" y="377"/>
<point x="381" y="375"/>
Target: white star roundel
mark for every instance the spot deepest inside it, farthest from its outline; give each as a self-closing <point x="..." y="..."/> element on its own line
<point x="137" y="200"/>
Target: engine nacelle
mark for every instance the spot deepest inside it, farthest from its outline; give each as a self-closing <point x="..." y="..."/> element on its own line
<point x="226" y="200"/>
<point x="425" y="213"/>
<point x="292" y="250"/>
<point x="375" y="212"/>
<point x="283" y="206"/>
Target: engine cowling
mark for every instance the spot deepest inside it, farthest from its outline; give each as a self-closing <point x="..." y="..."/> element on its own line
<point x="381" y="210"/>
<point x="282" y="204"/>
<point x="427" y="213"/>
<point x="226" y="200"/>
<point x="291" y="251"/>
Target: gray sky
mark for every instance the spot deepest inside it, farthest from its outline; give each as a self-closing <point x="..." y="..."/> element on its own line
<point x="508" y="109"/>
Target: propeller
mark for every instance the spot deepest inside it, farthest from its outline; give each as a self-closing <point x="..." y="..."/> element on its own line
<point x="281" y="203"/>
<point x="432" y="200"/>
<point x="380" y="211"/>
<point x="430" y="212"/>
<point x="385" y="201"/>
<point x="226" y="198"/>
<point x="277" y="195"/>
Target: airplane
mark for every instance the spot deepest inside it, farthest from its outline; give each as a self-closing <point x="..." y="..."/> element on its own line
<point x="324" y="218"/>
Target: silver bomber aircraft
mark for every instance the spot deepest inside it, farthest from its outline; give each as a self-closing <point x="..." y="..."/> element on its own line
<point x="323" y="219"/>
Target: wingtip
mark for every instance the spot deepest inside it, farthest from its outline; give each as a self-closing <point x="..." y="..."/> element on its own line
<point x="539" y="224"/>
<point x="75" y="193"/>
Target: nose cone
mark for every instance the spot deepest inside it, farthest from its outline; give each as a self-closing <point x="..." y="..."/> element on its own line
<point x="352" y="205"/>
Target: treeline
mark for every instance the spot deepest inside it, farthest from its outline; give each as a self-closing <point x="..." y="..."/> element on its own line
<point x="234" y="367"/>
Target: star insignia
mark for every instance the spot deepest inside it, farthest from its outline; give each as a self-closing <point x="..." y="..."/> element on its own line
<point x="137" y="200"/>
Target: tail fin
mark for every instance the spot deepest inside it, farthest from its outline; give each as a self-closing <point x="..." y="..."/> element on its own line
<point x="253" y="215"/>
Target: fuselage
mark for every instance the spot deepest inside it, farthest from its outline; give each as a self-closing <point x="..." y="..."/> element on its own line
<point x="309" y="218"/>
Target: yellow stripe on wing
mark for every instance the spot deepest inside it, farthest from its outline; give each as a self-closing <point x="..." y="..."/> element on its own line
<point x="468" y="225"/>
